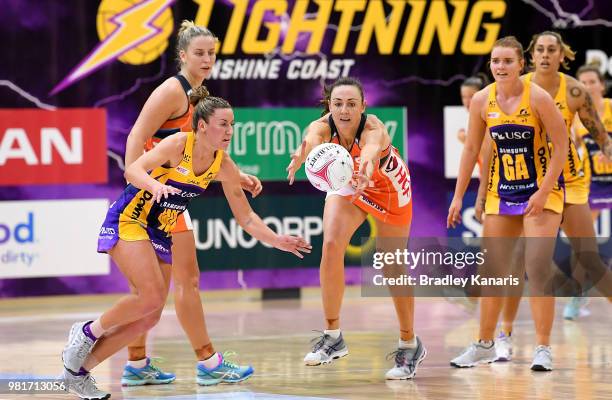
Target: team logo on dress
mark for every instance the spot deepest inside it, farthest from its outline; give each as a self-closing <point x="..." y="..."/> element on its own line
<point x="182" y="170"/>
<point x="524" y="112"/>
<point x="493" y="115"/>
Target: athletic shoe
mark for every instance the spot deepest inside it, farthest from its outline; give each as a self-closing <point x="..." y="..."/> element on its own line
<point x="83" y="386"/>
<point x="78" y="347"/>
<point x="325" y="350"/>
<point x="406" y="361"/>
<point x="225" y="372"/>
<point x="473" y="355"/>
<point x="575" y="308"/>
<point x="150" y="374"/>
<point x="542" y="359"/>
<point x="503" y="347"/>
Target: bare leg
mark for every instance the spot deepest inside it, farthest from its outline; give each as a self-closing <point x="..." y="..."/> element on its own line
<point x="391" y="238"/>
<point x="340" y="220"/>
<point x="495" y="228"/>
<point x="188" y="304"/>
<point x="541" y="231"/>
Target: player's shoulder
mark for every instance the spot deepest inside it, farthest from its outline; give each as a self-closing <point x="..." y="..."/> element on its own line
<point x="170" y="89"/>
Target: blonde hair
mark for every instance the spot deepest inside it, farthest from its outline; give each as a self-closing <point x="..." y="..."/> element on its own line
<point x="568" y="53"/>
<point x="187" y="32"/>
<point x="204" y="105"/>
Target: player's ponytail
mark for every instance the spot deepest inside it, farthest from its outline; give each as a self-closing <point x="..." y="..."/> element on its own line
<point x="204" y="105"/>
<point x="197" y="94"/>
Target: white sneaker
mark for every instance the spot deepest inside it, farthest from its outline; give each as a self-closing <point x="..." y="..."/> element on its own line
<point x="503" y="347"/>
<point x="83" y="386"/>
<point x="77" y="348"/>
<point x="473" y="355"/>
<point x="542" y="359"/>
<point x="407" y="361"/>
<point x="325" y="350"/>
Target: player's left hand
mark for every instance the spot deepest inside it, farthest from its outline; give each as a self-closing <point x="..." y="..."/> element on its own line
<point x="293" y="244"/>
<point x="250" y="183"/>
<point x="362" y="178"/>
<point x="536" y="203"/>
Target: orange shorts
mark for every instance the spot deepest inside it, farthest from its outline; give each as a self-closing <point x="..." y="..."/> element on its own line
<point x="183" y="223"/>
<point x="389" y="198"/>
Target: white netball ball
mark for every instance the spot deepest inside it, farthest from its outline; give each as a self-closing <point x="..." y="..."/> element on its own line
<point x="329" y="167"/>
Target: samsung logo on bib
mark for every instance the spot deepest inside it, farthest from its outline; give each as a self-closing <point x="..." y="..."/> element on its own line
<point x="22" y="232"/>
<point x="516" y="135"/>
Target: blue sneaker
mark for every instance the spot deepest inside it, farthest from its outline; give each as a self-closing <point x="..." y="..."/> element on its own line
<point x="575" y="308"/>
<point x="225" y="372"/>
<point x="150" y="374"/>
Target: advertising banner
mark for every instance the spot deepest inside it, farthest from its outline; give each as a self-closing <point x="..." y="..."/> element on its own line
<point x="70" y="101"/>
<point x="55" y="146"/>
<point x="265" y="138"/>
<point x="51" y="238"/>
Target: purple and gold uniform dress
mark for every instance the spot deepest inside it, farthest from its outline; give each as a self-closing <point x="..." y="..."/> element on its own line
<point x="134" y="217"/>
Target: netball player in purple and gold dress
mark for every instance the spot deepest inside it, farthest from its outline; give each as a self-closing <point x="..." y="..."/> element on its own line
<point x="137" y="233"/>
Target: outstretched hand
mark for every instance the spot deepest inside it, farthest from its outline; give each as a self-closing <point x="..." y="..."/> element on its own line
<point x="361" y="178"/>
<point x="295" y="163"/>
<point x="293" y="244"/>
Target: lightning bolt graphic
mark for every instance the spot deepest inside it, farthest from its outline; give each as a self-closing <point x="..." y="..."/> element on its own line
<point x="563" y="19"/>
<point x="133" y="27"/>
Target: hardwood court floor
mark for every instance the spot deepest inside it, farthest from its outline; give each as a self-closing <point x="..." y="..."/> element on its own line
<point x="274" y="336"/>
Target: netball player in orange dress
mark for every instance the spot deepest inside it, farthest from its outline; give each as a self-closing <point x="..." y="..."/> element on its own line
<point x="381" y="189"/>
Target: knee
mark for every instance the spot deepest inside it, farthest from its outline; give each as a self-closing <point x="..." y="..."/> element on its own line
<point x="187" y="281"/>
<point x="151" y="320"/>
<point x="333" y="247"/>
<point x="152" y="301"/>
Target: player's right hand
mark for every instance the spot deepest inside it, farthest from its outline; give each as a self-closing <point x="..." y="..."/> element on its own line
<point x="295" y="163"/>
<point x="160" y="190"/>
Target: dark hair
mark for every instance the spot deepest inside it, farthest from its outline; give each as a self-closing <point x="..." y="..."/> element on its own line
<point x="185" y="35"/>
<point x="591" y="68"/>
<point x="344" y="81"/>
<point x="569" y="54"/>
<point x="478" y="81"/>
<point x="204" y="105"/>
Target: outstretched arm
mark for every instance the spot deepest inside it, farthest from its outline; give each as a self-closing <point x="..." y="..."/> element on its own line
<point x="248" y="219"/>
<point x="316" y="133"/>
<point x="374" y="139"/>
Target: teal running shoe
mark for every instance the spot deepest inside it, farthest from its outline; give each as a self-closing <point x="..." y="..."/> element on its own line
<point x="575" y="308"/>
<point x="150" y="374"/>
<point x="225" y="372"/>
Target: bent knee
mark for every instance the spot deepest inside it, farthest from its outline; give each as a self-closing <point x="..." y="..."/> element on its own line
<point x="152" y="302"/>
